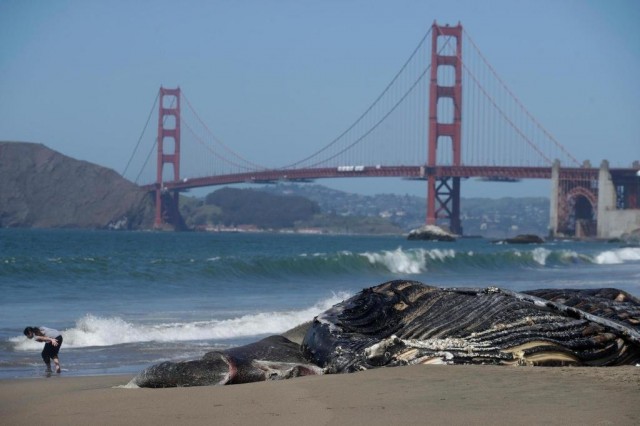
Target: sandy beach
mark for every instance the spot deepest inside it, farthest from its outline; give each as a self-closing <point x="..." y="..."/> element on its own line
<point x="400" y="395"/>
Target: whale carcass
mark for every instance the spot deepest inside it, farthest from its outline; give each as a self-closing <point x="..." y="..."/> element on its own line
<point x="407" y="322"/>
<point x="272" y="358"/>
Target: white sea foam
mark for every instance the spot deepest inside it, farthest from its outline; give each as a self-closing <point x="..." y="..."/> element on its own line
<point x="540" y="255"/>
<point x="91" y="330"/>
<point x="397" y="261"/>
<point x="617" y="256"/>
<point x="438" y="254"/>
<point x="570" y="256"/>
<point x="400" y="261"/>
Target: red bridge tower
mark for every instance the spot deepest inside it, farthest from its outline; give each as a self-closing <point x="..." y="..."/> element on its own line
<point x="168" y="137"/>
<point x="443" y="193"/>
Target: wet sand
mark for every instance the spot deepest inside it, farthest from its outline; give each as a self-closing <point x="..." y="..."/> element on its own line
<point x="400" y="395"/>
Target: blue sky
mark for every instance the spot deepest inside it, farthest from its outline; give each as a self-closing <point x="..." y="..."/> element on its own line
<point x="81" y="76"/>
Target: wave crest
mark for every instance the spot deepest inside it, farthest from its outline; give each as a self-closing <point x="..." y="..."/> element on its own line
<point x="400" y="261"/>
<point x="617" y="256"/>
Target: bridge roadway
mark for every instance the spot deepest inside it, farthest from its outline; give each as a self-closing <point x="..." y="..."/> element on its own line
<point x="407" y="172"/>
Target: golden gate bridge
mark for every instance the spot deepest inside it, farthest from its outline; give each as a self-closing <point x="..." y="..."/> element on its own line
<point x="445" y="116"/>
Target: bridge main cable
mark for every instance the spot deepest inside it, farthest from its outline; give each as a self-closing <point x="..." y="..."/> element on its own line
<point x="221" y="143"/>
<point x="518" y="102"/>
<point x="144" y="129"/>
<point x="359" y="119"/>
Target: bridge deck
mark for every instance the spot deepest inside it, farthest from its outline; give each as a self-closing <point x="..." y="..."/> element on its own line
<point x="407" y="172"/>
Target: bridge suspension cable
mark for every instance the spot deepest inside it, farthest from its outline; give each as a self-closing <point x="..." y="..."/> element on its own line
<point x="519" y="104"/>
<point x="144" y="129"/>
<point x="392" y="130"/>
<point x="367" y="111"/>
<point x="375" y="126"/>
<point x="145" y="163"/>
<point x="210" y="149"/>
<point x="504" y="115"/>
<point x="249" y="165"/>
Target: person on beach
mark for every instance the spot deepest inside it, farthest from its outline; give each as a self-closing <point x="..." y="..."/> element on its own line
<point x="53" y="341"/>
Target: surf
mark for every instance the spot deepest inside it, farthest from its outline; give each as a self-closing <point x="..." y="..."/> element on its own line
<point x="100" y="331"/>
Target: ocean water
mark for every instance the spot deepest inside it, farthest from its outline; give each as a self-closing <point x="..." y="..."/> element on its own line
<point x="126" y="300"/>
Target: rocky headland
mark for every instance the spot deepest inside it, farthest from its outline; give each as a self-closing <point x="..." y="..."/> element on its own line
<point x="41" y="188"/>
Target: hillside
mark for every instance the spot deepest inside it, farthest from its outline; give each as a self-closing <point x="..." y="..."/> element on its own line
<point x="41" y="188"/>
<point x="244" y="207"/>
<point x="260" y="210"/>
<point x="281" y="207"/>
<point x="491" y="218"/>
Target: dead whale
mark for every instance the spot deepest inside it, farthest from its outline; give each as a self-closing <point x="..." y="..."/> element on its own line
<point x="407" y="322"/>
<point x="271" y="358"/>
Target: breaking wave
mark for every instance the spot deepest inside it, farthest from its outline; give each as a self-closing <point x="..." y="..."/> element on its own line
<point x="621" y="255"/>
<point x="90" y="330"/>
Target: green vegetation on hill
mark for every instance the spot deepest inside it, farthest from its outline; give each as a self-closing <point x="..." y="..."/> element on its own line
<point x="266" y="211"/>
<point x="230" y="207"/>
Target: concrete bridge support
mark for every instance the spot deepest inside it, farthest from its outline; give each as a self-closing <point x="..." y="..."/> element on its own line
<point x="573" y="202"/>
<point x="611" y="201"/>
<point x="612" y="221"/>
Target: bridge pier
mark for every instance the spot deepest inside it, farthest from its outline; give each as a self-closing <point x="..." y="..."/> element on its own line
<point x="594" y="203"/>
<point x="443" y="198"/>
<point x="618" y="209"/>
<point x="554" y="198"/>
<point x="574" y="202"/>
<point x="170" y="217"/>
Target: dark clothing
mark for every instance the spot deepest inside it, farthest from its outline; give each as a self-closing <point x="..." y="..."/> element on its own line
<point x="51" y="351"/>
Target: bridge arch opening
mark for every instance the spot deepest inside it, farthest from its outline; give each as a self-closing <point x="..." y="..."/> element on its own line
<point x="446" y="111"/>
<point x="446" y="76"/>
<point x="582" y="220"/>
<point x="446" y="44"/>
<point x="445" y="150"/>
<point x="169" y="145"/>
<point x="169" y="100"/>
<point x="169" y="173"/>
<point x="169" y="122"/>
